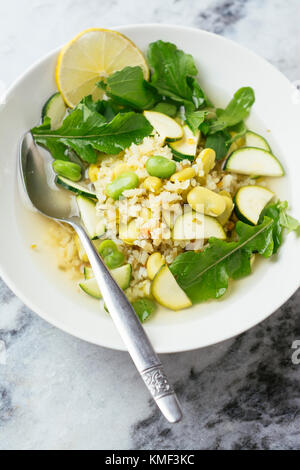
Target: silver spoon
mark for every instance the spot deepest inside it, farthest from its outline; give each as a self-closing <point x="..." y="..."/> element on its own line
<point x="58" y="204"/>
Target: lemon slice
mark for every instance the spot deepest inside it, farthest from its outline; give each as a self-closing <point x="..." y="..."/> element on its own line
<point x="93" y="55"/>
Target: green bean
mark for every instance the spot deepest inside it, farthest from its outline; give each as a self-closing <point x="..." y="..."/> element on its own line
<point x="69" y="170"/>
<point x="125" y="181"/>
<point x="161" y="167"/>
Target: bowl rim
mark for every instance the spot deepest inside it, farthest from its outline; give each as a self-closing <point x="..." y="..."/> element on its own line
<point x="109" y="344"/>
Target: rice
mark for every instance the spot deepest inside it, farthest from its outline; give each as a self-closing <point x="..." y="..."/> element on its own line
<point x="146" y="209"/>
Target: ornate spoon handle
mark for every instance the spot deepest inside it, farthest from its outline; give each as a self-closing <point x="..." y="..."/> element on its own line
<point x="133" y="334"/>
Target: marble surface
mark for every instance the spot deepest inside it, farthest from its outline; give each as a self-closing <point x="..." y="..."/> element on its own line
<point x="57" y="392"/>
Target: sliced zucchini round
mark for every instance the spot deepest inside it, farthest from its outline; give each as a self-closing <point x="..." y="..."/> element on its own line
<point x="93" y="222"/>
<point x="121" y="275"/>
<point x="165" y="126"/>
<point x="186" y="148"/>
<point x="253" y="161"/>
<point x="195" y="226"/>
<point x="75" y="187"/>
<point x="255" y="140"/>
<point x="250" y="201"/>
<point x="167" y="292"/>
<point x="55" y="108"/>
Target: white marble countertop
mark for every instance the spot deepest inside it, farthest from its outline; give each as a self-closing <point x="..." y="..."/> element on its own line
<point x="57" y="392"/>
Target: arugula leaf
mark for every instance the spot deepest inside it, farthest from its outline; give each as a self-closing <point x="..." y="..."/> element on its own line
<point x="128" y="87"/>
<point x="85" y="131"/>
<point x="205" y="275"/>
<point x="237" y="110"/>
<point x="278" y="212"/>
<point x="286" y="220"/>
<point x="219" y="143"/>
<point x="194" y="119"/>
<point x="199" y="98"/>
<point x="166" y="108"/>
<point x="171" y="67"/>
<point x="239" y="130"/>
<point x="204" y="127"/>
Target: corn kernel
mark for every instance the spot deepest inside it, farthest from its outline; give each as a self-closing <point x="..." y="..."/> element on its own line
<point x="93" y="172"/>
<point x="208" y="159"/>
<point x="152" y="184"/>
<point x="121" y="168"/>
<point x="183" y="175"/>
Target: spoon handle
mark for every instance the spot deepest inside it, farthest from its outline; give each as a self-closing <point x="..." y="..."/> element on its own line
<point x="133" y="334"/>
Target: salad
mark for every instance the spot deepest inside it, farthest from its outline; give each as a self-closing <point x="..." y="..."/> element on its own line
<point x="172" y="190"/>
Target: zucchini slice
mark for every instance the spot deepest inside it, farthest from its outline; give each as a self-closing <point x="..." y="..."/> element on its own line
<point x="167" y="127"/>
<point x="55" y="108"/>
<point x="196" y="226"/>
<point x="75" y="187"/>
<point x="255" y="140"/>
<point x="250" y="201"/>
<point x="167" y="292"/>
<point x="121" y="275"/>
<point x="93" y="222"/>
<point x="186" y="148"/>
<point x="253" y="161"/>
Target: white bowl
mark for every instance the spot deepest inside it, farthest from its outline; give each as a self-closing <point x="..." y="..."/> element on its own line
<point x="32" y="274"/>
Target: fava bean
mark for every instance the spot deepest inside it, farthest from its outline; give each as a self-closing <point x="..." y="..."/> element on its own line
<point x="124" y="181"/>
<point x="161" y="167"/>
<point x="113" y="258"/>
<point x="69" y="170"/>
<point x="205" y="201"/>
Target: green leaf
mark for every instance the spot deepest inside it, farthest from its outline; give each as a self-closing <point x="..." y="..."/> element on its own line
<point x="129" y="87"/>
<point x="236" y="111"/>
<point x="171" y="67"/>
<point x="278" y="212"/>
<point x="199" y="98"/>
<point x="194" y="119"/>
<point x="166" y="108"/>
<point x="204" y="127"/>
<point x="144" y="308"/>
<point x="86" y="131"/>
<point x="286" y="220"/>
<point x="205" y="275"/>
<point x="239" y="129"/>
<point x="218" y="142"/>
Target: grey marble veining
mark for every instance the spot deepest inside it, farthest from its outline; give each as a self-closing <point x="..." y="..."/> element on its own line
<point x="57" y="392"/>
